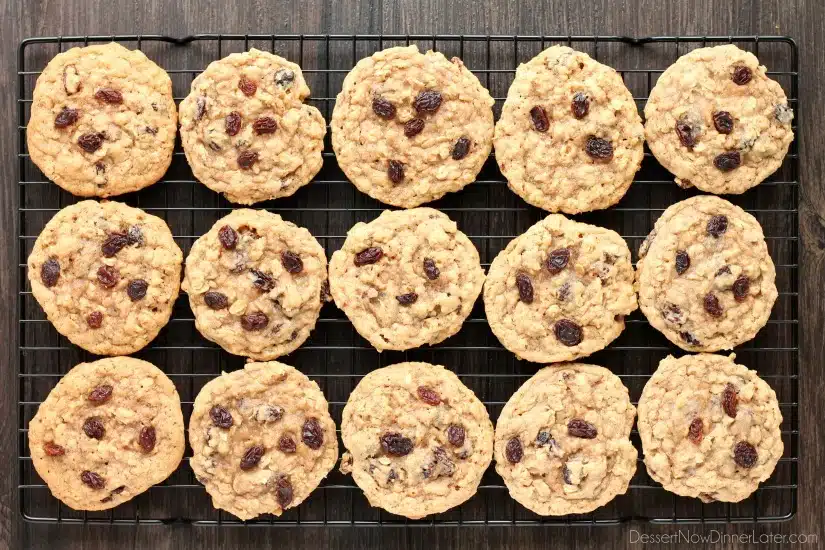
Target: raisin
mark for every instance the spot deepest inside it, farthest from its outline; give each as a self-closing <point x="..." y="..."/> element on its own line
<point x="712" y="305"/>
<point x="724" y="270"/>
<point x="598" y="148"/>
<point x="92" y="479"/>
<point x="461" y="148"/>
<point x="539" y="117"/>
<point x="544" y="438"/>
<point x="53" y="449"/>
<point x="407" y="299"/>
<point x="150" y="130"/>
<point x="696" y="431"/>
<point x="741" y="75"/>
<point x="687" y="132"/>
<point x="283" y="489"/>
<point x="94" y="319"/>
<point x="728" y="161"/>
<point x="50" y="272"/>
<point x="745" y="455"/>
<point x="93" y="427"/>
<point x="430" y="269"/>
<point x="221" y="417"/>
<point x="291" y="262"/>
<point x="232" y="123"/>
<point x="90" y="142"/>
<point x="100" y="168"/>
<point x="263" y="281"/>
<point x="228" y="237"/>
<point x="113" y="244"/>
<point x="581" y="428"/>
<point x="134" y="236"/>
<point x="383" y="108"/>
<point x="368" y="256"/>
<point x="247" y="159"/>
<point x="215" y="300"/>
<point x="264" y="125"/>
<point x="136" y="289"/>
<point x="312" y="434"/>
<point x="395" y="444"/>
<point x="108" y="276"/>
<point x="723" y="122"/>
<point x="580" y="105"/>
<point x="558" y="260"/>
<point x="730" y="400"/>
<point x="741" y="288"/>
<point x="717" y="225"/>
<point x="252" y="457"/>
<point x="783" y="113"/>
<point x="428" y="395"/>
<point x="287" y="445"/>
<point x="525" y="288"/>
<point x="566" y="475"/>
<point x="395" y="171"/>
<point x="689" y="338"/>
<point x="456" y="435"/>
<point x="513" y="451"/>
<point x="682" y="261"/>
<point x="284" y="78"/>
<point x="101" y="394"/>
<point x="247" y="86"/>
<point x="564" y="292"/>
<point x="256" y="320"/>
<point x="439" y="465"/>
<point x="109" y="95"/>
<point x="66" y="118"/>
<point x="200" y="108"/>
<point x="568" y="333"/>
<point x="673" y="314"/>
<point x="413" y="127"/>
<point x="427" y="101"/>
<point x="147" y="438"/>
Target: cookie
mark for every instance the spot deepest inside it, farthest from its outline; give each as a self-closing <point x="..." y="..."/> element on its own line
<point x="418" y="440"/>
<point x="246" y="130"/>
<point x="406" y="279"/>
<point x="262" y="439"/>
<point x="560" y="291"/>
<point x="704" y="276"/>
<point x="408" y="127"/>
<point x="107" y="432"/>
<point x="710" y="428"/>
<point x="103" y="121"/>
<point x="255" y="284"/>
<point x="717" y="121"/>
<point x="561" y="443"/>
<point x="107" y="275"/>
<point x="570" y="138"/>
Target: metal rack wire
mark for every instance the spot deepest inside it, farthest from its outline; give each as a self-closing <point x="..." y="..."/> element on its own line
<point x="335" y="356"/>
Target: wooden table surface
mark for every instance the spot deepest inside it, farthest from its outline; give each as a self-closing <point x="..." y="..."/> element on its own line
<point x="801" y="19"/>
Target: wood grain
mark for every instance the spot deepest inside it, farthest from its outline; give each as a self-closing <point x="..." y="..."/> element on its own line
<point x="801" y="19"/>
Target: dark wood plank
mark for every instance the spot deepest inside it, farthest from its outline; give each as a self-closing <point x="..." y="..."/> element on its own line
<point x="801" y="19"/>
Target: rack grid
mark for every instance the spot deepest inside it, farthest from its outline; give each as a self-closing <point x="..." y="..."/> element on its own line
<point x="335" y="355"/>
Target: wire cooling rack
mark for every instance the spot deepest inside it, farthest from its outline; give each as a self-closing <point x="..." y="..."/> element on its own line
<point x="336" y="356"/>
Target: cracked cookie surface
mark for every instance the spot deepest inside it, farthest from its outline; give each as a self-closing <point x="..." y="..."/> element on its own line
<point x="717" y="121"/>
<point x="107" y="275"/>
<point x="418" y="440"/>
<point x="107" y="432"/>
<point x="246" y="130"/>
<point x="562" y="441"/>
<point x="408" y="127"/>
<point x="560" y="291"/>
<point x="705" y="277"/>
<point x="103" y="121"/>
<point x="710" y="428"/>
<point x="570" y="137"/>
<point x="406" y="279"/>
<point x="262" y="439"/>
<point x="255" y="284"/>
